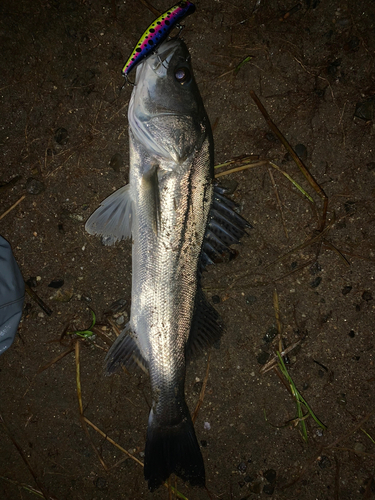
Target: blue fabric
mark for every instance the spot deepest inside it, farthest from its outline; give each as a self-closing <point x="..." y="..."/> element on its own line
<point x="12" y="294"/>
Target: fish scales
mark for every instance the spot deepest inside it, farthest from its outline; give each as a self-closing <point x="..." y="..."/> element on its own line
<point x="167" y="210"/>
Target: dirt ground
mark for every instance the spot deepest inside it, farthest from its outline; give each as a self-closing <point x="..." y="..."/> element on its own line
<point x="64" y="131"/>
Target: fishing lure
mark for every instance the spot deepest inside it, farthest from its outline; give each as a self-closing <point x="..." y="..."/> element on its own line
<point x="156" y="33"/>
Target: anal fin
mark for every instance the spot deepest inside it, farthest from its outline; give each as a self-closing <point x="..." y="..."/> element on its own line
<point x="124" y="352"/>
<point x="206" y="327"/>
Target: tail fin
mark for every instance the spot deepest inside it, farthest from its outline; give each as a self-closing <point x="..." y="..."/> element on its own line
<point x="173" y="449"/>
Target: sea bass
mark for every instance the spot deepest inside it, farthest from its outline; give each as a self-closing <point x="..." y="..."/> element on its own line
<point x="179" y="222"/>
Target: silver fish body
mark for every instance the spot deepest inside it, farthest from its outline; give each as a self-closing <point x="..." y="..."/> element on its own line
<point x="168" y="208"/>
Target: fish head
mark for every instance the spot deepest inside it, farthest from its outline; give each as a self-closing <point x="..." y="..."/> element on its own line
<point x="166" y="112"/>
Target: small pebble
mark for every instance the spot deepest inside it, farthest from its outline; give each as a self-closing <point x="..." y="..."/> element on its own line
<point x="359" y="447"/>
<point x="271" y="137"/>
<point x="197" y="387"/>
<point x="116" y="162"/>
<point x="333" y="67"/>
<point x="120" y="320"/>
<point x="347" y="289"/>
<point x="116" y="306"/>
<point x="365" y="110"/>
<point x="301" y="151"/>
<point x="207" y="426"/>
<point x="367" y="296"/>
<point x="352" y="45"/>
<point x="263" y="357"/>
<point x="63" y="295"/>
<point x="248" y="479"/>
<point x="101" y="484"/>
<point x="216" y="299"/>
<point x="324" y="462"/>
<point x="270" y="334"/>
<point x="349" y="206"/>
<point x="270" y="475"/>
<point x="76" y="217"/>
<point x="61" y="136"/>
<point x="251" y="299"/>
<point x="316" y="282"/>
<point x="56" y="283"/>
<point x="242" y="467"/>
<point x="268" y="489"/>
<point x="230" y="185"/>
<point x="315" y="268"/>
<point x="341" y="400"/>
<point x="352" y="334"/>
<point x="31" y="282"/>
<point x="34" y="186"/>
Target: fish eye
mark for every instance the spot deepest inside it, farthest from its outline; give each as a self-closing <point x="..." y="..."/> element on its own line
<point x="182" y="75"/>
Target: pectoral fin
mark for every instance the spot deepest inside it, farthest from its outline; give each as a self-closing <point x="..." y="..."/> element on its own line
<point x="113" y="219"/>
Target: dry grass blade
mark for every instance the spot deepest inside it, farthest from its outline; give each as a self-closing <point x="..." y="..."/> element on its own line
<point x="12" y="207"/>
<point x="315" y="239"/>
<point x="24" y="458"/>
<point x="273" y="362"/>
<point x="103" y="434"/>
<point x="278" y="201"/>
<point x="176" y="492"/>
<point x="277" y="316"/>
<point x="114" y="326"/>
<point x="337" y="251"/>
<point x="55" y="360"/>
<point x="203" y="390"/>
<point x="25" y="487"/>
<point x="38" y="300"/>
<point x="147" y="4"/>
<point x="295" y="157"/>
<point x="80" y="405"/>
<point x="242" y="167"/>
<point x="290" y="179"/>
<point x="332" y="447"/>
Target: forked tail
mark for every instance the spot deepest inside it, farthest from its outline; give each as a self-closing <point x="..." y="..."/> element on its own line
<point x="173" y="449"/>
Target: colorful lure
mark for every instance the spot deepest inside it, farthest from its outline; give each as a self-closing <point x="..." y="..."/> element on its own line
<point x="157" y="32"/>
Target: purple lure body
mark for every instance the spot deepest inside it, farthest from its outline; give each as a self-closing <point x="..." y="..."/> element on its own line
<point x="156" y="33"/>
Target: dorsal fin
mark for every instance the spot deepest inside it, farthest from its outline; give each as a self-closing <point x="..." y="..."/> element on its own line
<point x="225" y="227"/>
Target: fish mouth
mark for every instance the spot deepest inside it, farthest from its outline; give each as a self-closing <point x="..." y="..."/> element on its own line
<point x="159" y="61"/>
<point x="148" y="114"/>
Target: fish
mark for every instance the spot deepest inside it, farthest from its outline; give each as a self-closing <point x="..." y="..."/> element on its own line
<point x="179" y="222"/>
<point x="156" y="33"/>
